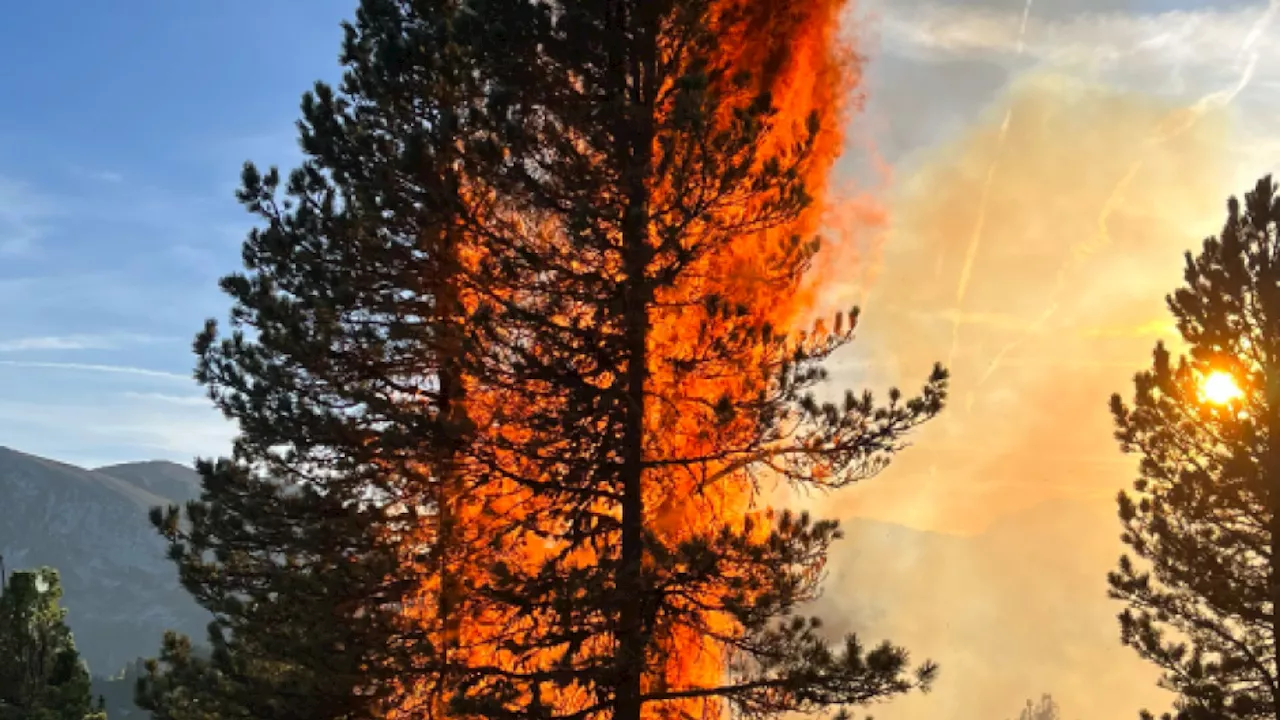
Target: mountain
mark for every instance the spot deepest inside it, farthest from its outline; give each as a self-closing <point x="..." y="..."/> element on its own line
<point x="121" y="593"/>
<point x="172" y="481"/>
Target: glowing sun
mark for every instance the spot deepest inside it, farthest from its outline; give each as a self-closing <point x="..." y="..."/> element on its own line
<point x="1220" y="388"/>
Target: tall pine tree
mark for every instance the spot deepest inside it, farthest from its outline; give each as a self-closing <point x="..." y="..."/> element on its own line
<point x="528" y="288"/>
<point x="318" y="543"/>
<point x="1202" y="603"/>
<point x="638" y="390"/>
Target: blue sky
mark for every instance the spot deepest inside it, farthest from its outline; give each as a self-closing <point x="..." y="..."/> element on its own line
<point x="123" y="131"/>
<point x="121" y="138"/>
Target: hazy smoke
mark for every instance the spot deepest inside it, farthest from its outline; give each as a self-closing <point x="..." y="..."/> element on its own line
<point x="1072" y="229"/>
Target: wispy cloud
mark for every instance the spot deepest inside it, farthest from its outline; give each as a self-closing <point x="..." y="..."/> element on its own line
<point x="113" y="428"/>
<point x="103" y="176"/>
<point x="1175" y="44"/>
<point x="75" y="342"/>
<point x="1157" y="328"/>
<point x="994" y="320"/>
<point x="107" y="176"/>
<point x="92" y="368"/>
<point x="185" y="400"/>
<point x="23" y="214"/>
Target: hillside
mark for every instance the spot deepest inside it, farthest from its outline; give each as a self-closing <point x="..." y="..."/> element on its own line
<point x="121" y="592"/>
<point x="165" y="479"/>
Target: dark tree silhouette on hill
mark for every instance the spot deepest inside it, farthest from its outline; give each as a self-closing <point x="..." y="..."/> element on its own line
<point x="1046" y="708"/>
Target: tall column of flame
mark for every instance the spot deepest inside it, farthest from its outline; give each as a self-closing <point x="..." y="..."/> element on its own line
<point x="792" y="50"/>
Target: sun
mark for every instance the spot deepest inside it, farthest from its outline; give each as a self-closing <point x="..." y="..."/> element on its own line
<point x="1220" y="388"/>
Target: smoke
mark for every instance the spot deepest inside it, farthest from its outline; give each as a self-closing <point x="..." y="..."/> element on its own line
<point x="1072" y="271"/>
<point x="1067" y="246"/>
<point x="980" y="224"/>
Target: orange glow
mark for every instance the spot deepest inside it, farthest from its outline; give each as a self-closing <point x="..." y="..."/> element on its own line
<point x="792" y="50"/>
<point x="1220" y="388"/>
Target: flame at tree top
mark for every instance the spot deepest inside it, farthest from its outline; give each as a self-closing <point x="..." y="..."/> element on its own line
<point x="795" y="52"/>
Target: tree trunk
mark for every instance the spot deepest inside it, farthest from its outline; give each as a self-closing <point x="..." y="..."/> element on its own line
<point x="453" y="413"/>
<point x="631" y="636"/>
<point x="1272" y="481"/>
<point x="633" y="64"/>
<point x="443" y="277"/>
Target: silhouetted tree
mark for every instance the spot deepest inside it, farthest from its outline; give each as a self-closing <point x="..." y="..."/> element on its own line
<point x="41" y="674"/>
<point x="336" y="373"/>
<point x="1203" y="603"/>
<point x="587" y="215"/>
<point x="1046" y="708"/>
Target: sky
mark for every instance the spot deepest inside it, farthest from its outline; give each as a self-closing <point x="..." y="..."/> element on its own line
<point x="1037" y="167"/>
<point x="1044" y="167"/>
<point x="121" y="143"/>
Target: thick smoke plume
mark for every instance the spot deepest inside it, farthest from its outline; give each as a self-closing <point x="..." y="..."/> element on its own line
<point x="1034" y="259"/>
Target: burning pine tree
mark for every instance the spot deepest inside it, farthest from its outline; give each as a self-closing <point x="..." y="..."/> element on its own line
<point x="643" y="240"/>
<point x="522" y="377"/>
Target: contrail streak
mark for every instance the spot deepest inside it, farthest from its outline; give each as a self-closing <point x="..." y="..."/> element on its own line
<point x="1174" y="124"/>
<point x="85" y="367"/>
<point x="1180" y="121"/>
<point x="975" y="241"/>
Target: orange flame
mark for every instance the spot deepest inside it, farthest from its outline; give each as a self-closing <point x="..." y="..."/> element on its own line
<point x="792" y="50"/>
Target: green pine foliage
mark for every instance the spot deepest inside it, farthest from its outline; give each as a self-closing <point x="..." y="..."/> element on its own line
<point x="1202" y="583"/>
<point x="486" y="125"/>
<point x="41" y="675"/>
<point x="334" y="373"/>
<point x="183" y="684"/>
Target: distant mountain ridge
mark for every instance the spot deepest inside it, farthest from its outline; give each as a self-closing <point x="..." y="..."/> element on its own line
<point x="121" y="592"/>
<point x="161" y="478"/>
